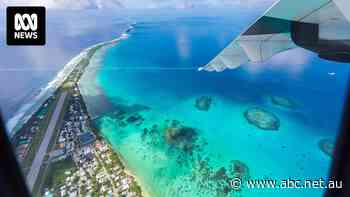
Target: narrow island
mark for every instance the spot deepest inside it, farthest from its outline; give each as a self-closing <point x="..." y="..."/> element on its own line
<point x="62" y="154"/>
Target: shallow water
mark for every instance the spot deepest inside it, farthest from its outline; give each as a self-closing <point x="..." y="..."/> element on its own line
<point x="153" y="74"/>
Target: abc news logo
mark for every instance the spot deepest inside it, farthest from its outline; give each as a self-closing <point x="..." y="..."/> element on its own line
<point x="25" y="25"/>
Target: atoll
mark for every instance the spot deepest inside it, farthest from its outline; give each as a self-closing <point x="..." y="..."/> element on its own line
<point x="203" y="103"/>
<point x="262" y="119"/>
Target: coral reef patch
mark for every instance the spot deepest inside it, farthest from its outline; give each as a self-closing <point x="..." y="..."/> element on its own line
<point x="219" y="179"/>
<point x="240" y="170"/>
<point x="262" y="119"/>
<point x="203" y="103"/>
<point x="283" y="102"/>
<point x="135" y="119"/>
<point x="180" y="136"/>
<point x="326" y="146"/>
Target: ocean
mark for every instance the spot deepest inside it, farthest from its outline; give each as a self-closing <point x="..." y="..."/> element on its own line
<point x="145" y="96"/>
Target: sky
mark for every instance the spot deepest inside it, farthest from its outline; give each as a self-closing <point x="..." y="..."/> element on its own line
<point x="113" y="4"/>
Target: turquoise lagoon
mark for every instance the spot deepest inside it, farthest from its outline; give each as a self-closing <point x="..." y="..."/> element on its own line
<point x="152" y="77"/>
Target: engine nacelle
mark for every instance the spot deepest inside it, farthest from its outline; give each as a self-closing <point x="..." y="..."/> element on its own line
<point x="306" y="35"/>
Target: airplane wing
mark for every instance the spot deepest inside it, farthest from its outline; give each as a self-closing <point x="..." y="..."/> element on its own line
<point x="272" y="33"/>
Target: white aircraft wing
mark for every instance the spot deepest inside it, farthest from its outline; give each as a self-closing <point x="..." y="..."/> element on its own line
<point x="271" y="33"/>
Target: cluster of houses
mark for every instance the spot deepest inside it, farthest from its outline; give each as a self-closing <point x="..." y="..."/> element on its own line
<point x="98" y="171"/>
<point x="75" y="133"/>
<point x="123" y="182"/>
<point x="98" y="176"/>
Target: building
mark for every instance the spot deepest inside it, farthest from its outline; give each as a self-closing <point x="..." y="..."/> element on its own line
<point x="57" y="154"/>
<point x="86" y="138"/>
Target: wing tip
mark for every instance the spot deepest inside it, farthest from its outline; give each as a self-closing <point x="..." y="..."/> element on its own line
<point x="215" y="68"/>
<point x="211" y="68"/>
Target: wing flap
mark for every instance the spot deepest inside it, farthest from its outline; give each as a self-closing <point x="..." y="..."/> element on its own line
<point x="231" y="57"/>
<point x="261" y="47"/>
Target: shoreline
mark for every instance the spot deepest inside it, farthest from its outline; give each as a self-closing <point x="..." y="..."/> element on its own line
<point x="127" y="170"/>
<point x="144" y="192"/>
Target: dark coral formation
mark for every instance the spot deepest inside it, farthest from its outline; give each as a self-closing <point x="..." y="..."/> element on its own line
<point x="203" y="103"/>
<point x="119" y="114"/>
<point x="127" y="115"/>
<point x="219" y="180"/>
<point x="180" y="136"/>
<point x="136" y="118"/>
<point x="283" y="101"/>
<point x="262" y="119"/>
<point x="121" y="110"/>
<point x="180" y="141"/>
<point x="326" y="146"/>
<point x="240" y="170"/>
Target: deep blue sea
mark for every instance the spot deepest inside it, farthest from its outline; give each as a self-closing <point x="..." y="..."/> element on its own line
<point x="152" y="75"/>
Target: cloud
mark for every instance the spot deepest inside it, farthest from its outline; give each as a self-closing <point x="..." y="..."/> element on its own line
<point x="183" y="4"/>
<point x="283" y="61"/>
<point x="183" y="43"/>
<point x="66" y="4"/>
<point x="300" y="57"/>
<point x="113" y="4"/>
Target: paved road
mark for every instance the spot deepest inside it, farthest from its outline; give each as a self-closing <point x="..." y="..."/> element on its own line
<point x="39" y="156"/>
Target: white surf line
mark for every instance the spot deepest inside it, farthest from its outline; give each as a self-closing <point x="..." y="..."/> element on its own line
<point x="40" y="154"/>
<point x="116" y="68"/>
<point x="144" y="68"/>
<point x="108" y="68"/>
<point x="27" y="69"/>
